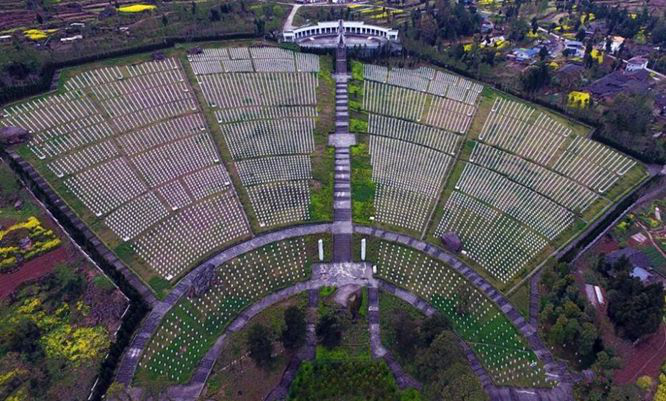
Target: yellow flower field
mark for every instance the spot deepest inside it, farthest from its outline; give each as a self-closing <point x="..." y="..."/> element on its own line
<point x="136" y="8"/>
<point x="38" y="34"/>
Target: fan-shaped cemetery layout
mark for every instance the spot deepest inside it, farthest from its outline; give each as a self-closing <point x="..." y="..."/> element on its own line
<point x="512" y="181"/>
<point x="416" y="123"/>
<point x="128" y="148"/>
<point x="265" y="102"/>
<point x="526" y="183"/>
<point x="192" y="326"/>
<point x="495" y="341"/>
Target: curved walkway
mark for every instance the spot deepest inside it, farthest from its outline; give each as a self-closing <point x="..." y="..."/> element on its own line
<point x="192" y="390"/>
<point x="132" y="355"/>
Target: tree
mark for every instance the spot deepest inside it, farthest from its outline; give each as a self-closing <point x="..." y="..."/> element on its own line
<point x="628" y="113"/>
<point x="587" y="339"/>
<point x="658" y="34"/>
<point x="518" y="30"/>
<point x="329" y="330"/>
<point x="293" y="335"/>
<point x="463" y="387"/>
<point x="535" y="77"/>
<point x="636" y="310"/>
<point x="405" y="328"/>
<point x="440" y="355"/>
<point x="260" y="345"/>
<point x="214" y="15"/>
<point x="428" y="29"/>
<point x="543" y="53"/>
<point x="23" y="337"/>
<point x="624" y="393"/>
<point x="580" y="35"/>
<point x="431" y="328"/>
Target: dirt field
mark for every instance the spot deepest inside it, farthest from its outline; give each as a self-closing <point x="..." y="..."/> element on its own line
<point x="643" y="359"/>
<point x="32" y="270"/>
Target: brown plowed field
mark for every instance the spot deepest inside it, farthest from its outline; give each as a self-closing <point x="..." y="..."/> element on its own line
<point x="33" y="269"/>
<point x="643" y="359"/>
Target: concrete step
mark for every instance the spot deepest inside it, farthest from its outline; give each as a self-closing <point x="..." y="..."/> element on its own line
<point x="342" y="248"/>
<point x="342" y="214"/>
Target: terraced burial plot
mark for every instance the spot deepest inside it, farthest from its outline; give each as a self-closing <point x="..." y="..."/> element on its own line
<point x="495" y="341"/>
<point x="416" y="122"/>
<point x="265" y="103"/>
<point x="128" y="147"/>
<point x="529" y="185"/>
<point x="511" y="181"/>
<point x="194" y="323"/>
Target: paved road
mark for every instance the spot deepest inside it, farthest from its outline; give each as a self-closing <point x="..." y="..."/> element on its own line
<point x="289" y="23"/>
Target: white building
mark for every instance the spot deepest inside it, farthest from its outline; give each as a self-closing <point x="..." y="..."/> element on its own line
<point x="636" y="64"/>
<point x="574" y="48"/>
<point x="331" y="28"/>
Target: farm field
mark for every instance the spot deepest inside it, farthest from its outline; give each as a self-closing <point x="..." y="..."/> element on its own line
<point x="59" y="313"/>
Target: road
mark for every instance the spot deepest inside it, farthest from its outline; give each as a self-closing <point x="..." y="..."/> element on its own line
<point x="289" y="23"/>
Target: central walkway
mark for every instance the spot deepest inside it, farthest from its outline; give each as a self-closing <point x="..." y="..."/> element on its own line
<point x="342" y="140"/>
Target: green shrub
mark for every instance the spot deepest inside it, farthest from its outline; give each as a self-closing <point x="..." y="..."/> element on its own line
<point x="358" y="126"/>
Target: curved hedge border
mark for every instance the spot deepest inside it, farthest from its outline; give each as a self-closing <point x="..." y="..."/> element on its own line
<point x="140" y="296"/>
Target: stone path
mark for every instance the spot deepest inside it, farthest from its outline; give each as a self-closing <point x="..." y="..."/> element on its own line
<point x="341" y="139"/>
<point x="130" y="359"/>
<point x="306" y="353"/>
<point x="403" y="379"/>
<point x="289" y="22"/>
<point x="534" y="299"/>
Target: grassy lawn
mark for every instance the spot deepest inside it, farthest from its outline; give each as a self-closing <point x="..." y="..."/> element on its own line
<point x="362" y="186"/>
<point x="235" y="377"/>
<point x="520" y="298"/>
<point x="11" y="190"/>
